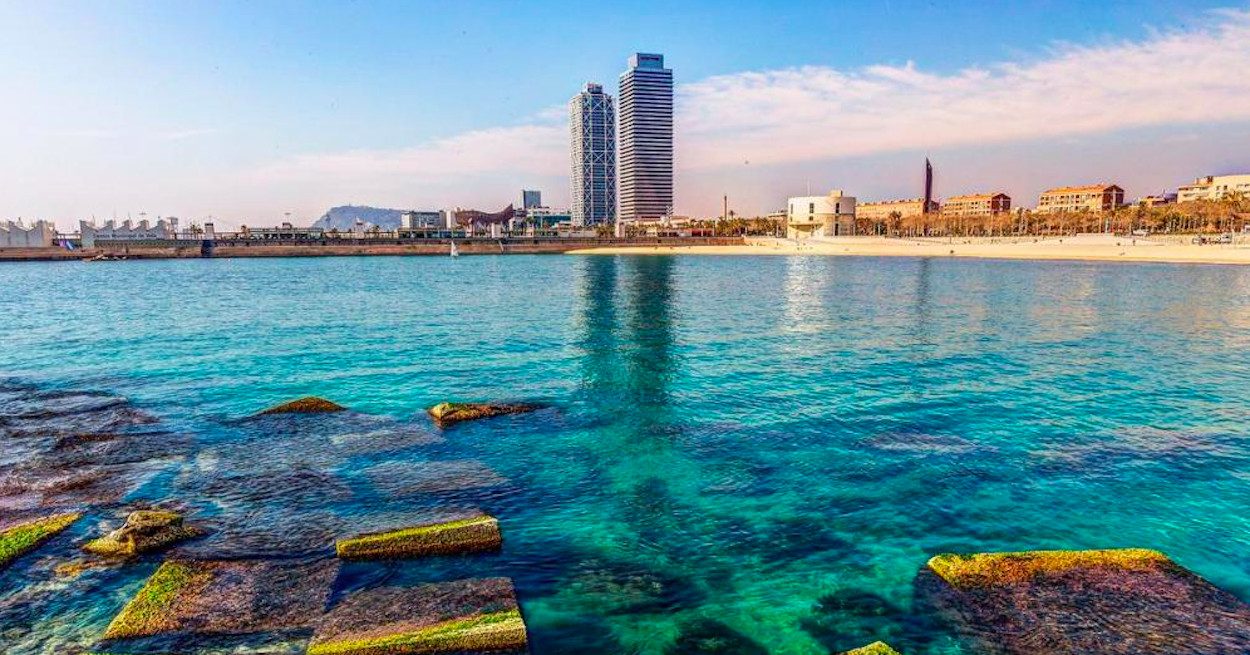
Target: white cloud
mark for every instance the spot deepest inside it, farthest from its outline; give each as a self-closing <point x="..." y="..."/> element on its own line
<point x="818" y="113"/>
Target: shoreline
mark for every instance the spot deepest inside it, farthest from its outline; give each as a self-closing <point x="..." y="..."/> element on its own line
<point x="1077" y="248"/>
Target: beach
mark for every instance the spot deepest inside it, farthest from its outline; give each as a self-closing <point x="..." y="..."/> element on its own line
<point x="1094" y="247"/>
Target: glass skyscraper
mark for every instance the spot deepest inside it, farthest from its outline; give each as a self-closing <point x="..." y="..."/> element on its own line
<point x="646" y="139"/>
<point x="592" y="122"/>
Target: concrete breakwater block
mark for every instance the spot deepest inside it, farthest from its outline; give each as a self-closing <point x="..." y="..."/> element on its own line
<point x="144" y="531"/>
<point x="21" y="538"/>
<point x="1112" y="602"/>
<point x="450" y="617"/>
<point x="875" y="648"/>
<point x="307" y="405"/>
<point x="445" y="414"/>
<point x="227" y="598"/>
<point x="462" y="535"/>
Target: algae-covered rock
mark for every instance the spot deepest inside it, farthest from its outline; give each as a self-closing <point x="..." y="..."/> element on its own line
<point x="308" y="405"/>
<point x="465" y="535"/>
<point x="21" y="538"/>
<point x="1111" y="602"/>
<point x="875" y="648"/>
<point x="226" y="598"/>
<point x="448" y="413"/>
<point x="450" y="617"/>
<point x="144" y="531"/>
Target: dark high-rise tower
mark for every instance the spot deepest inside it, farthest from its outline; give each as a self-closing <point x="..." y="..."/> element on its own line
<point x="645" y="154"/>
<point x="928" y="186"/>
<point x="592" y="124"/>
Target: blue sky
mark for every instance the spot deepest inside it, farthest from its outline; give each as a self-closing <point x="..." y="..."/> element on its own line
<point x="246" y="110"/>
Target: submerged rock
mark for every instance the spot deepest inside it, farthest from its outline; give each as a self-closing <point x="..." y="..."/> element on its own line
<point x="144" y="531"/>
<point x="308" y="405"/>
<point x="450" y="617"/>
<point x="466" y="535"/>
<point x="449" y="413"/>
<point x="226" y="598"/>
<point x="875" y="648"/>
<point x="714" y="637"/>
<point x="21" y="538"/>
<point x="1112" y="602"/>
<point x="406" y="479"/>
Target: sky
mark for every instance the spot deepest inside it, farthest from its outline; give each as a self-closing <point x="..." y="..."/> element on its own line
<point x="246" y="112"/>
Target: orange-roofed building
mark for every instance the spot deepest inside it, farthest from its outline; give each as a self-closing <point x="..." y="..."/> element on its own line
<point x="1095" y="198"/>
<point x="977" y="204"/>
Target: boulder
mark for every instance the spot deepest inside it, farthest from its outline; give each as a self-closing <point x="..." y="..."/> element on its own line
<point x="21" y="538"/>
<point x="875" y="648"/>
<point x="144" y="531"/>
<point x="1112" y="602"/>
<point x="465" y="535"/>
<point x="450" y="617"/>
<point x="445" y="414"/>
<point x="238" y="597"/>
<point x="308" y="405"/>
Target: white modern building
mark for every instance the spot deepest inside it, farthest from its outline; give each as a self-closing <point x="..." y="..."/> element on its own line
<point x="820" y="216"/>
<point x="16" y="235"/>
<point x="415" y="220"/>
<point x="645" y="153"/>
<point x="592" y="150"/>
<point x="1214" y="187"/>
<point x="127" y="231"/>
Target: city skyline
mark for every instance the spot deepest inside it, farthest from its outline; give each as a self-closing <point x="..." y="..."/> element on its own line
<point x="161" y="111"/>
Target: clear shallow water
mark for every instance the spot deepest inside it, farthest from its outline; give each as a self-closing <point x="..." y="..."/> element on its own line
<point x="744" y="455"/>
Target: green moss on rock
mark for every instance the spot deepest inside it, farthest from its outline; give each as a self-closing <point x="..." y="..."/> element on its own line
<point x="875" y="648"/>
<point x="986" y="569"/>
<point x="446" y="414"/>
<point x="450" y="617"/>
<point x="144" y="531"/>
<point x="465" y="535"/>
<point x="22" y="538"/>
<point x="222" y="597"/>
<point x="308" y="405"/>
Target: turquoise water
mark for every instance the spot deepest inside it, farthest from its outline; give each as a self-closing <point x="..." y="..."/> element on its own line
<point x="741" y="455"/>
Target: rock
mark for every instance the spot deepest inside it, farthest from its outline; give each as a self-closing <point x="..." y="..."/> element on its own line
<point x="461" y="616"/>
<point x="445" y="414"/>
<point x="408" y="479"/>
<point x="144" y="531"/>
<point x="710" y="636"/>
<point x="21" y="538"/>
<point x="309" y="405"/>
<point x="1112" y="602"/>
<point x="875" y="648"/>
<point x="226" y="598"/>
<point x="466" y="535"/>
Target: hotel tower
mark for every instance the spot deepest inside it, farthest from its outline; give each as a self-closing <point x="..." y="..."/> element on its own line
<point x="645" y="153"/>
<point x="592" y="122"/>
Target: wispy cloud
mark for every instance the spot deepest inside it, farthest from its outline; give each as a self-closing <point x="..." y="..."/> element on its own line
<point x="815" y="113"/>
<point x="179" y="135"/>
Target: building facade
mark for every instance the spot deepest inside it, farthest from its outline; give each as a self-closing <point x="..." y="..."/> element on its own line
<point x="531" y="198"/>
<point x="977" y="204"/>
<point x="16" y="235"/>
<point x="882" y="210"/>
<point x="127" y="231"/>
<point x="415" y="220"/>
<point x="592" y="123"/>
<point x="1095" y="198"/>
<point x="646" y="139"/>
<point x="820" y="216"/>
<point x="1214" y="187"/>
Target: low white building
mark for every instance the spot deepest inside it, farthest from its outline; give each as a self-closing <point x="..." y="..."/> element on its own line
<point x="127" y="231"/>
<point x="1214" y="187"/>
<point x="16" y="235"/>
<point x="820" y="216"/>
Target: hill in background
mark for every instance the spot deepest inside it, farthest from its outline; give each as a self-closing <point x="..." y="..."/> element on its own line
<point x="344" y="217"/>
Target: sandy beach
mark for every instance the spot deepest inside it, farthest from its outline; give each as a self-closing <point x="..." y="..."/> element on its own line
<point x="1097" y="247"/>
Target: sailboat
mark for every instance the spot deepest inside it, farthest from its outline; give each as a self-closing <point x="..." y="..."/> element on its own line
<point x="454" y="251"/>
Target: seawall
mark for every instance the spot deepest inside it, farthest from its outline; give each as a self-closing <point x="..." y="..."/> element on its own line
<point x="345" y="247"/>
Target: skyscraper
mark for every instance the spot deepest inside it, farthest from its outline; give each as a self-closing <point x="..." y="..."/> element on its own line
<point x="592" y="126"/>
<point x="646" y="149"/>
